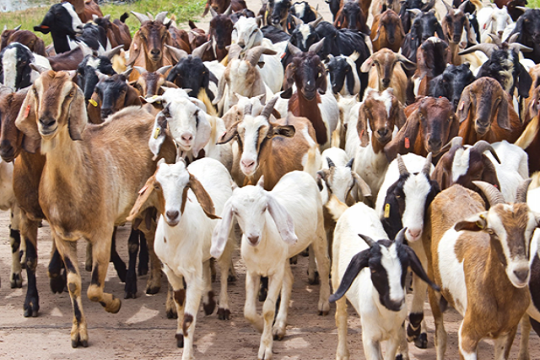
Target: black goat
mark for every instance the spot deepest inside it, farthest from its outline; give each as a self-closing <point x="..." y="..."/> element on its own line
<point x="451" y="82"/>
<point x="528" y="30"/>
<point x="424" y="26"/>
<point x="87" y="77"/>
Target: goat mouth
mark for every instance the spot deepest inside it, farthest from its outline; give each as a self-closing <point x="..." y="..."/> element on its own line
<point x="172" y="223"/>
<point x="482" y="130"/>
<point x="48" y="132"/>
<point x="309" y="95"/>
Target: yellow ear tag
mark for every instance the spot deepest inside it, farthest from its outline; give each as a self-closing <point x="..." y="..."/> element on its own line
<point x="386" y="211"/>
<point x="479" y="223"/>
<point x="156" y="133"/>
<point x="93" y="102"/>
<point x="154" y="96"/>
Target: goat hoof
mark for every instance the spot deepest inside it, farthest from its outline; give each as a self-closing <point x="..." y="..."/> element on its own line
<point x="130" y="295"/>
<point x="211" y="306"/>
<point x="122" y="274"/>
<point x="171" y="314"/>
<point x="88" y="267"/>
<point x="421" y="341"/>
<point x="262" y="295"/>
<point x="142" y="269"/>
<point x="179" y="340"/>
<point x="57" y="283"/>
<point x="114" y="306"/>
<point x="293" y="260"/>
<point x="224" y="314"/>
<point x="16" y="281"/>
<point x="324" y="313"/>
<point x="231" y="279"/>
<point x="152" y="290"/>
<point x="279" y="337"/>
<point x="315" y="280"/>
<point x="31" y="307"/>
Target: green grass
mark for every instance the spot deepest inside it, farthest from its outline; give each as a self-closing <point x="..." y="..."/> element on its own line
<point x="533" y="3"/>
<point x="184" y="10"/>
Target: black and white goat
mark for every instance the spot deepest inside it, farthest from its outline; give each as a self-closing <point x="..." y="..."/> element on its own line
<point x="15" y="69"/>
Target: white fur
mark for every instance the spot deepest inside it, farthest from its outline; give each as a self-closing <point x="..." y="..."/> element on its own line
<point x="9" y="65"/>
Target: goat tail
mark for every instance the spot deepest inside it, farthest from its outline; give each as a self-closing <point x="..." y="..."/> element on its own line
<point x="123" y="17"/>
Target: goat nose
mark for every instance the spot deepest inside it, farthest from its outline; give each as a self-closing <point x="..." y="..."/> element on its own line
<point x="500" y="33"/>
<point x="6" y="150"/>
<point x="172" y="214"/>
<point x="415" y="233"/>
<point x="253" y="239"/>
<point x="187" y="137"/>
<point x="155" y="51"/>
<point x="382" y="132"/>
<point x="241" y="44"/>
<point x="248" y="163"/>
<point x="435" y="143"/>
<point x="47" y="121"/>
<point x="522" y="274"/>
<point x="386" y="81"/>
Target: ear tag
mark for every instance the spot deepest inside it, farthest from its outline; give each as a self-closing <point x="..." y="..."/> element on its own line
<point x="361" y="133"/>
<point x="386" y="211"/>
<point x="479" y="224"/>
<point x="407" y="143"/>
<point x="27" y="111"/>
<point x="156" y="133"/>
<point x="93" y="102"/>
<point x="154" y="96"/>
<point x="282" y="55"/>
<point x="461" y="105"/>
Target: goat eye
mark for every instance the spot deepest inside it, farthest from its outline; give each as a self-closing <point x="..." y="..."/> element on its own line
<point x="157" y="186"/>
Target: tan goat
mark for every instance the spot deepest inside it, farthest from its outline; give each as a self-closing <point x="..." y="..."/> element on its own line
<point x="108" y="164"/>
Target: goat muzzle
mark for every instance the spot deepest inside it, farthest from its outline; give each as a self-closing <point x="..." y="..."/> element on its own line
<point x="47" y="126"/>
<point x="7" y="152"/>
<point x="253" y="239"/>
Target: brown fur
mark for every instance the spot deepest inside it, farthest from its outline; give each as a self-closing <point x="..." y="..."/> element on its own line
<point x="530" y="138"/>
<point x="85" y="9"/>
<point x="220" y="6"/>
<point x="379" y="35"/>
<point x="504" y="123"/>
<point x="69" y="60"/>
<point x="27" y="38"/>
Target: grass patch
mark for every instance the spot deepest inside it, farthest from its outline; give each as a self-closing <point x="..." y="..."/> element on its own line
<point x="184" y="10"/>
<point x="533" y="4"/>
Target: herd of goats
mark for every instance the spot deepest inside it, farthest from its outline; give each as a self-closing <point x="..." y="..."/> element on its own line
<point x="408" y="146"/>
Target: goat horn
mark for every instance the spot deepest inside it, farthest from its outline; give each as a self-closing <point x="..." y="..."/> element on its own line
<point x="520" y="47"/>
<point x="454" y="143"/>
<point x="316" y="22"/>
<point x="493" y="195"/>
<point x="161" y="16"/>
<point x="350" y="163"/>
<point x="427" y="166"/>
<point x="521" y="193"/>
<point x="178" y="53"/>
<point x="414" y="11"/>
<point x="448" y="7"/>
<point x="368" y="240"/>
<point x="228" y="11"/>
<point x="113" y="51"/>
<point x="463" y="5"/>
<point x="254" y="55"/>
<point x="234" y="52"/>
<point x="127" y="72"/>
<point x="482" y="146"/>
<point x="294" y="50"/>
<point x="17" y="28"/>
<point x="428" y="6"/>
<point x="40" y="69"/>
<point x="5" y="27"/>
<point x="107" y="17"/>
<point x="297" y="21"/>
<point x="162" y="70"/>
<point x="140" y="69"/>
<point x="101" y="76"/>
<point x="400" y="237"/>
<point x="401" y="166"/>
<point x="315" y="48"/>
<point x="150" y="16"/>
<point x="141" y="17"/>
<point x="484" y="47"/>
<point x="330" y="162"/>
<point x="213" y="12"/>
<point x="199" y="51"/>
<point x="269" y="107"/>
<point x="522" y="8"/>
<point x="513" y="38"/>
<point x="496" y="39"/>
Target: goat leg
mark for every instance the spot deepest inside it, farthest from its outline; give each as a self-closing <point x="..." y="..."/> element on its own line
<point x="194" y="289"/>
<point x="170" y="307"/>
<point x="179" y="296"/>
<point x="29" y="230"/>
<point x="524" y="343"/>
<point x="119" y="264"/>
<point x="275" y="283"/>
<point x="130" y="290"/>
<point x="15" y="242"/>
<point x="153" y="284"/>
<point x="320" y="249"/>
<point x="57" y="272"/>
<point x="286" y="289"/>
<point x="209" y="301"/>
<point x="143" y="258"/>
<point x="225" y="265"/>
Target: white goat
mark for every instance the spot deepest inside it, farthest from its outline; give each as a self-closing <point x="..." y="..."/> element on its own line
<point x="183" y="236"/>
<point x="371" y="274"/>
<point x="276" y="226"/>
<point x="492" y="20"/>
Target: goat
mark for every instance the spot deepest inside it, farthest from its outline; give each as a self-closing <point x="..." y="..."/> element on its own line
<point x="480" y="277"/>
<point x="453" y="24"/>
<point x="351" y="16"/>
<point x="309" y="75"/>
<point x="493" y="20"/>
<point x="117" y="32"/>
<point x="6" y="33"/>
<point x="407" y="12"/>
<point x="485" y="114"/>
<point x="122" y="141"/>
<point x="387" y="31"/>
<point x="528" y="29"/>
<point x="334" y="5"/>
<point x="220" y="33"/>
<point x="87" y="77"/>
<point x="429" y="64"/>
<point x="372" y="275"/>
<point x="27" y="38"/>
<point x="369" y="129"/>
<point x="406" y="193"/>
<point x="151" y="83"/>
<point x="63" y="23"/>
<point x="111" y="95"/>
<point x="181" y="245"/>
<point x="16" y="62"/>
<point x="220" y="6"/>
<point x="529" y="140"/>
<point x="86" y="9"/>
<point x="451" y="82"/>
<point x="343" y="75"/>
<point x="424" y="26"/>
<point x="277" y="12"/>
<point x="303" y="11"/>
<point x="294" y="220"/>
<point x="148" y="49"/>
<point x="386" y="70"/>
<point x="431" y="124"/>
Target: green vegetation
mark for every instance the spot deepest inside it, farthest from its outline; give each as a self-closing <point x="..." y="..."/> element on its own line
<point x="184" y="10"/>
<point x="533" y="4"/>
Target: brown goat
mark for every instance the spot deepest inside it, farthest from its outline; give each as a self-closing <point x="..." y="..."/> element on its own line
<point x="27" y="38"/>
<point x="69" y="60"/>
<point x="485" y="112"/>
<point x="385" y="69"/>
<point x="431" y="124"/>
<point x="6" y="33"/>
<point x="387" y="31"/>
<point x="117" y="31"/>
<point x="220" y="6"/>
<point x="93" y="199"/>
<point x="148" y="49"/>
<point x="352" y="16"/>
<point x="453" y="24"/>
<point x="86" y="9"/>
<point x="150" y="83"/>
<point x="221" y="27"/>
<point x="530" y="139"/>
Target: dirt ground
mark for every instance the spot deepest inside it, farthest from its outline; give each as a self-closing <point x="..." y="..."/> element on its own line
<point x="142" y="331"/>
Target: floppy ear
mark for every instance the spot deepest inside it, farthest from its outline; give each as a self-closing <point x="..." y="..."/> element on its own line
<point x="94" y="109"/>
<point x="366" y="65"/>
<point x="502" y="114"/>
<point x="454" y="127"/>
<point x="321" y="81"/>
<point x="134" y="49"/>
<point x="202" y="196"/>
<point x="283" y="220"/>
<point x="464" y="105"/>
<point x="362" y="127"/>
<point x="203" y="132"/>
<point x="78" y="121"/>
<point x="350" y="82"/>
<point x="489" y="174"/>
<point x="404" y="141"/>
<point x="358" y="262"/>
<point x="362" y="185"/>
<point x="229" y="134"/>
<point x="27" y="123"/>
<point x="470" y="34"/>
<point x="524" y="81"/>
<point x="416" y="267"/>
<point x="531" y="111"/>
<point x="132" y="97"/>
<point x="439" y="31"/>
<point x="158" y="134"/>
<point x="221" y="231"/>
<point x="143" y="199"/>
<point x="289" y="77"/>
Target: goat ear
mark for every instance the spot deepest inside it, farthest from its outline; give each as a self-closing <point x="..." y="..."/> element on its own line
<point x="502" y="114"/>
<point x="464" y="105"/>
<point x="476" y="223"/>
<point x="489" y="174"/>
<point x="27" y="123"/>
<point x="406" y="63"/>
<point x="93" y="109"/>
<point x="362" y="126"/>
<point x="454" y="127"/>
<point x="358" y="262"/>
<point x="221" y="231"/>
<point x="439" y="31"/>
<point x="283" y="220"/>
<point x="144" y="196"/>
<point x="404" y="141"/>
<point x="418" y="269"/>
<point x="286" y="94"/>
<point x="289" y="77"/>
<point x="350" y="82"/>
<point x="229" y="134"/>
<point x="134" y="49"/>
<point x="524" y="81"/>
<point x="203" y="132"/>
<point x="132" y="97"/>
<point x="204" y="199"/>
<point x="158" y="134"/>
<point x="283" y="130"/>
<point x="77" y="116"/>
<point x="366" y="65"/>
<point x="362" y="185"/>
